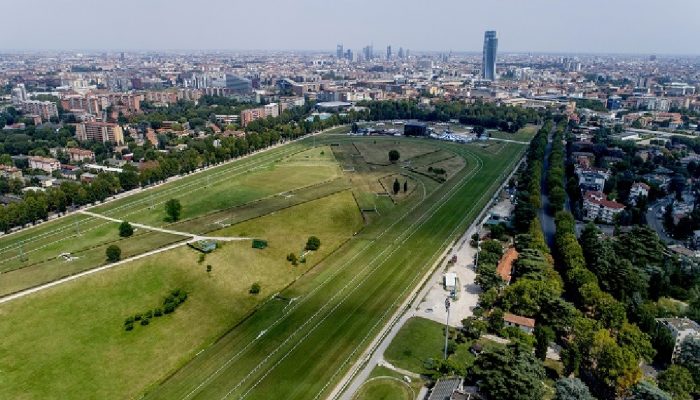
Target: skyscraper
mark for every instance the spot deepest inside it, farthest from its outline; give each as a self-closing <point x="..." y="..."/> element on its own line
<point x="388" y="52"/>
<point x="489" y="58"/>
<point x="339" y="52"/>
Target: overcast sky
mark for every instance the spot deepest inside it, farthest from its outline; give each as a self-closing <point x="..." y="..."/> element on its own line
<point x="584" y="26"/>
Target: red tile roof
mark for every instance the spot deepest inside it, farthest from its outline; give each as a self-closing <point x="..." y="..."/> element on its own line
<point x="518" y="320"/>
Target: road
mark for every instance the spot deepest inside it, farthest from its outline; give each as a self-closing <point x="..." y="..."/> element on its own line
<point x="657" y="223"/>
<point x="546" y="220"/>
<point x="374" y="354"/>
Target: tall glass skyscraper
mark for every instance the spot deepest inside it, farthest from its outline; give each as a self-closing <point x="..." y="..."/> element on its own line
<point x="489" y="57"/>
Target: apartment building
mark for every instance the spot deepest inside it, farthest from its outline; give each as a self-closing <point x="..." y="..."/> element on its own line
<point x="100" y="132"/>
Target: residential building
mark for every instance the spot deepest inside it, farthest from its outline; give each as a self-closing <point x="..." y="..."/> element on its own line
<point x="597" y="207"/>
<point x="44" y="109"/>
<point x="525" y="324"/>
<point x="592" y="178"/>
<point x="44" y="163"/>
<point x="79" y="155"/>
<point x="100" y="132"/>
<point x="251" y="114"/>
<point x="638" y="190"/>
<point x="489" y="56"/>
<point x="8" y="171"/>
<point x="505" y="265"/>
<point x="445" y="388"/>
<point x="680" y="329"/>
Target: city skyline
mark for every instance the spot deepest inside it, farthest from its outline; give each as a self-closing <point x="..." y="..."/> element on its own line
<point x="538" y="26"/>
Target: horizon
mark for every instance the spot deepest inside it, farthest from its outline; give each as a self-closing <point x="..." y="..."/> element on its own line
<point x="539" y="26"/>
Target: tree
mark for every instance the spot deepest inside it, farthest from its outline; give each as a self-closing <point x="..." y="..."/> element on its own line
<point x="509" y="373"/>
<point x="125" y="229"/>
<point x="677" y="381"/>
<point x="572" y="389"/>
<point x="645" y="390"/>
<point x="544" y="335"/>
<point x="405" y="186"/>
<point x="208" y="268"/>
<point x="114" y="253"/>
<point x="690" y="357"/>
<point x="173" y="209"/>
<point x="254" y="288"/>
<point x="495" y="320"/>
<point x="313" y="243"/>
<point x="394" y="155"/>
<point x="397" y="186"/>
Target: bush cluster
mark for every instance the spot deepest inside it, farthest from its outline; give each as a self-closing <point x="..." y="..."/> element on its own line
<point x="171" y="302"/>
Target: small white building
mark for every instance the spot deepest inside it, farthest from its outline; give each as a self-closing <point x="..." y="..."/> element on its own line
<point x="638" y="190"/>
<point x="680" y="329"/>
<point x="525" y="324"/>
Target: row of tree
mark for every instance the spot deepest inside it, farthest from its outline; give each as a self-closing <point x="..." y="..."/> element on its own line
<point x="555" y="174"/>
<point x="529" y="181"/>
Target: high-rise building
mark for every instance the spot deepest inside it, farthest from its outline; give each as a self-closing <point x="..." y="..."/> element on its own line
<point x="388" y="52"/>
<point x="19" y="94"/>
<point x="100" y="132"/>
<point x="349" y="56"/>
<point x="400" y="53"/>
<point x="489" y="56"/>
<point x="339" y="51"/>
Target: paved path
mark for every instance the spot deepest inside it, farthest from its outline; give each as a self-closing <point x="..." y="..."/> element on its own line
<point x="194" y="237"/>
<point x="384" y="363"/>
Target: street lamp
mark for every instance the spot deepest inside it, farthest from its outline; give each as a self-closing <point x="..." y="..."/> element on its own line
<point x="447" y="327"/>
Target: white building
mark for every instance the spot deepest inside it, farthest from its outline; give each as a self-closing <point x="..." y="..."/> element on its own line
<point x="680" y="329"/>
<point x="44" y="163"/>
<point x="638" y="190"/>
<point x="597" y="207"/>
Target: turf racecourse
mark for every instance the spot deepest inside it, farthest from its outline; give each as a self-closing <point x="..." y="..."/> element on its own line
<point x="299" y="344"/>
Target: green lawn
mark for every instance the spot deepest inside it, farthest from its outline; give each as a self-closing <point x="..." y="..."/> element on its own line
<point x="296" y="344"/>
<point x="302" y="351"/>
<point x="524" y="135"/>
<point x="211" y="199"/>
<point x="77" y="326"/>
<point x="385" y="388"/>
<point x="417" y="341"/>
<point x="86" y="258"/>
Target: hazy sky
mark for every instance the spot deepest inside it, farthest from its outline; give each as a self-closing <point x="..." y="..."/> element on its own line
<point x="583" y="26"/>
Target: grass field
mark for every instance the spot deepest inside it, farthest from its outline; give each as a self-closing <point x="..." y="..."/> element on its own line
<point x="417" y="341"/>
<point x="211" y="199"/>
<point x="524" y="135"/>
<point x="385" y="388"/>
<point x="344" y="302"/>
<point x="77" y="326"/>
<point x="224" y="342"/>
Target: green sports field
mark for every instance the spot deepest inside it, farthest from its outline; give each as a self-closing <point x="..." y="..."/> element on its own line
<point x="298" y="336"/>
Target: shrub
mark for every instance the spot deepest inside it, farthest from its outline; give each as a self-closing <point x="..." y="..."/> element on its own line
<point x="313" y="243"/>
<point x="129" y="320"/>
<point x="254" y="288"/>
<point x="125" y="229"/>
<point x="145" y="321"/>
<point x="148" y="314"/>
<point x="113" y="253"/>
<point x="394" y="155"/>
<point x="137" y="317"/>
<point x="157" y="312"/>
<point x="129" y="326"/>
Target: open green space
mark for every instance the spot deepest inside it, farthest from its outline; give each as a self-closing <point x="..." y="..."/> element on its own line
<point x="301" y="351"/>
<point x="82" y="259"/>
<point x="523" y="135"/>
<point x="418" y="340"/>
<point x="385" y="388"/>
<point x="75" y="326"/>
<point x="308" y="324"/>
